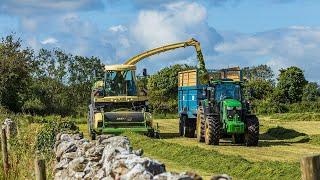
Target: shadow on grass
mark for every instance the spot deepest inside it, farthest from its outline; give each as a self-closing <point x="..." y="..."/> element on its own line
<point x="169" y="135"/>
<point x="277" y="136"/>
<point x="280" y="133"/>
<point x="280" y="136"/>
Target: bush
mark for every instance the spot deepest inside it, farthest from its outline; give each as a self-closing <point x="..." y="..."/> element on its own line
<point x="304" y="106"/>
<point x="46" y="137"/>
<point x="268" y="107"/>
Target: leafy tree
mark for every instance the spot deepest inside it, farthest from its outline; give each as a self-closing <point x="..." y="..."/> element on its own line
<point x="310" y="92"/>
<point x="163" y="89"/>
<point x="259" y="89"/>
<point x="262" y="72"/>
<point x="291" y="82"/>
<point x="15" y="67"/>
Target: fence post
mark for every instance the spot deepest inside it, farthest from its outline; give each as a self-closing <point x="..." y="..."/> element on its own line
<point x="4" y="151"/>
<point x="310" y="167"/>
<point x="40" y="169"/>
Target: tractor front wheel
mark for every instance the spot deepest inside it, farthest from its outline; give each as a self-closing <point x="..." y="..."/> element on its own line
<point x="200" y="124"/>
<point x="252" y="133"/>
<point x="212" y="130"/>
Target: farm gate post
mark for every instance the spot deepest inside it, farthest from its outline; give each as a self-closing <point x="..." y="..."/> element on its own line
<point x="310" y="167"/>
<point x="4" y="151"/>
<point x="40" y="169"/>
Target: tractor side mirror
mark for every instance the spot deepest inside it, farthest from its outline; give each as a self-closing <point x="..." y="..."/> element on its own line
<point x="204" y="92"/>
<point x="212" y="98"/>
<point x="144" y="72"/>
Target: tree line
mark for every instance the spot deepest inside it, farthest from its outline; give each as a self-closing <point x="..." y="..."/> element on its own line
<point x="55" y="82"/>
<point x="46" y="82"/>
<point x="289" y="92"/>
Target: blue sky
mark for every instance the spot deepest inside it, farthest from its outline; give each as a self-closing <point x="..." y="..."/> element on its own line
<point x="279" y="33"/>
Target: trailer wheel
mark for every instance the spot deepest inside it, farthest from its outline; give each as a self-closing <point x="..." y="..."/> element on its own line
<point x="252" y="131"/>
<point x="200" y="124"/>
<point x="181" y="126"/>
<point x="212" y="130"/>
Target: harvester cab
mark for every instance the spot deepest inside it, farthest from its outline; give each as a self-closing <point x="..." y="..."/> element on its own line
<point x="116" y="104"/>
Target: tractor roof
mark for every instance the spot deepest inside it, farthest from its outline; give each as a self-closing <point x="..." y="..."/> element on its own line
<point x="221" y="81"/>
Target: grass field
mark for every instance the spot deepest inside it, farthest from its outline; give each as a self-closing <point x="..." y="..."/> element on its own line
<point x="283" y="141"/>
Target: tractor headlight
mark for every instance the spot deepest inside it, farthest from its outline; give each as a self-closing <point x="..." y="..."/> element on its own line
<point x="230" y="113"/>
<point x="229" y="108"/>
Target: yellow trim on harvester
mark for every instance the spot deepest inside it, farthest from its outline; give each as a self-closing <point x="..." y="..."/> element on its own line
<point x="120" y="98"/>
<point x="119" y="67"/>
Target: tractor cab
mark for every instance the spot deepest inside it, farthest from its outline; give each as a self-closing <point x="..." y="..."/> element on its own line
<point x="227" y="90"/>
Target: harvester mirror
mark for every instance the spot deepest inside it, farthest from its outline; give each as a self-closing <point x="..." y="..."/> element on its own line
<point x="94" y="74"/>
<point x="144" y="72"/>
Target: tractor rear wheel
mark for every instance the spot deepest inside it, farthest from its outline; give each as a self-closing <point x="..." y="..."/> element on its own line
<point x="252" y="131"/>
<point x="212" y="130"/>
<point x="200" y="124"/>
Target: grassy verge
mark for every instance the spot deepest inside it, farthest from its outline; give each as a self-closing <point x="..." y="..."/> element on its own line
<point x="22" y="150"/>
<point x="212" y="162"/>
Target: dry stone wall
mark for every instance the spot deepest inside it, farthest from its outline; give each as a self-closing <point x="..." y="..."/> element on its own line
<point x="109" y="157"/>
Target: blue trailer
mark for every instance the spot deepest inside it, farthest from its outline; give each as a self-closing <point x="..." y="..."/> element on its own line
<point x="190" y="93"/>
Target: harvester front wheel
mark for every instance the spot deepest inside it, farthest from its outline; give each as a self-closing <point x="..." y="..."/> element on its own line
<point x="252" y="131"/>
<point x="212" y="130"/>
<point x="90" y="131"/>
<point x="93" y="135"/>
<point x="200" y="124"/>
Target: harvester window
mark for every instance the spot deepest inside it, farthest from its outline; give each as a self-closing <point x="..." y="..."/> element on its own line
<point x="120" y="83"/>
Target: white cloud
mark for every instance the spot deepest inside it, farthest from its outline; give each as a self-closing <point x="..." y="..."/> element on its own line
<point x="37" y="7"/>
<point x="118" y="28"/>
<point x="49" y="40"/>
<point x="174" y="22"/>
<point x="280" y="48"/>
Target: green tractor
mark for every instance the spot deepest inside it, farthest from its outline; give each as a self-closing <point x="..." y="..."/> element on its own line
<point x="224" y="113"/>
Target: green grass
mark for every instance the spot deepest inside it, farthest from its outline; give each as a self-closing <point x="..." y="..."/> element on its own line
<point x="315" y="139"/>
<point x="212" y="162"/>
<point x="165" y="116"/>
<point x="308" y="116"/>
